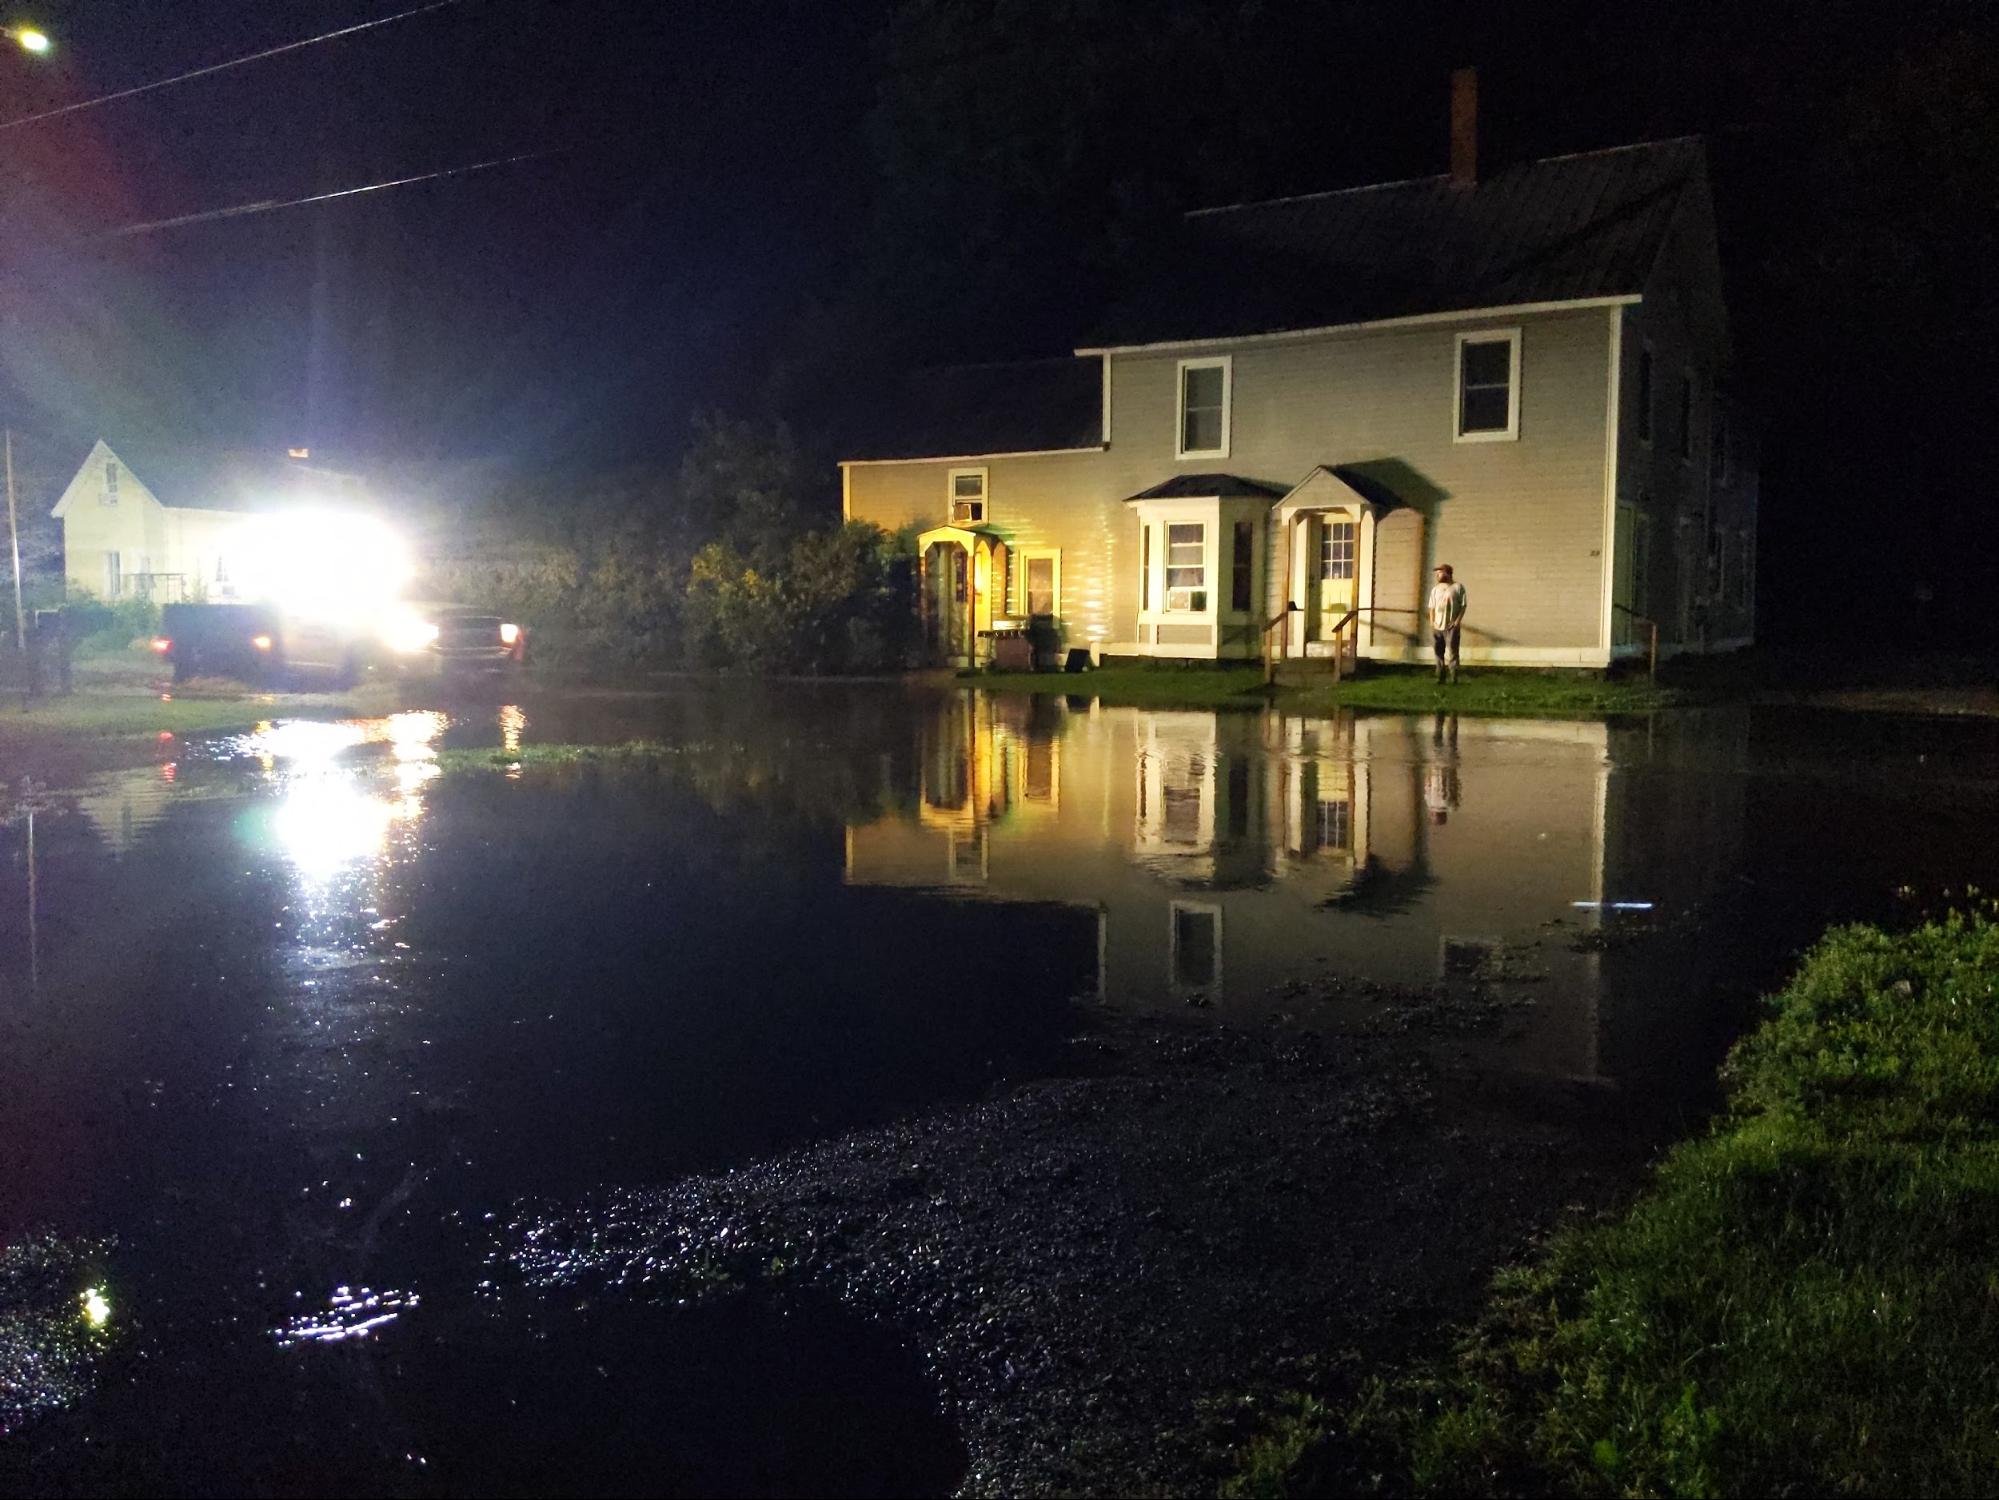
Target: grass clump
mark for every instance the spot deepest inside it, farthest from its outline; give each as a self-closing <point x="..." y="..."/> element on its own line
<point x="1805" y="1301"/>
<point x="625" y="752"/>
<point x="1493" y="690"/>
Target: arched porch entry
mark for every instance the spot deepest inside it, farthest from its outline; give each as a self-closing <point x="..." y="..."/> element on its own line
<point x="1326" y="532"/>
<point x="958" y="568"/>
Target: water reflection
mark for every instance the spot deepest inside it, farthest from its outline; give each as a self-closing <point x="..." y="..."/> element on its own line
<point x="1228" y="856"/>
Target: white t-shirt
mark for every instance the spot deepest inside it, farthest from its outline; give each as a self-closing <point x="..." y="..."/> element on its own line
<point x="1447" y="606"/>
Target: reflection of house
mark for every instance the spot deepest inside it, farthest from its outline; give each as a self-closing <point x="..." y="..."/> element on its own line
<point x="1229" y="855"/>
<point x="1312" y="401"/>
<point x="168" y="529"/>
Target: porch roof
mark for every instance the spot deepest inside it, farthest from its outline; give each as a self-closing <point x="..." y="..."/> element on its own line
<point x="1209" y="487"/>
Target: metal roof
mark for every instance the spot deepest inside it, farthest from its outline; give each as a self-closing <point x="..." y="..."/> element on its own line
<point x="1210" y="487"/>
<point x="1028" y="406"/>
<point x="207" y="479"/>
<point x="1568" y="228"/>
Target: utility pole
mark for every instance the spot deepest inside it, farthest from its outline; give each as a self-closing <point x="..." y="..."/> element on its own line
<point x="14" y="541"/>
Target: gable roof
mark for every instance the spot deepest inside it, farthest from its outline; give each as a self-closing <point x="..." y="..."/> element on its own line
<point x="1026" y="406"/>
<point x="1568" y="228"/>
<point x="193" y="478"/>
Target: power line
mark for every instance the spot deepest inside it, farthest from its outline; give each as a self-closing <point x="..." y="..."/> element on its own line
<point x="235" y="62"/>
<point x="266" y="205"/>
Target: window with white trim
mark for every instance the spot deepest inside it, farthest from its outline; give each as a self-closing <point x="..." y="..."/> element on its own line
<point x="1041" y="582"/>
<point x="110" y="481"/>
<point x="1204" y="408"/>
<point x="1187" y="566"/>
<point x="967" y="488"/>
<point x="1336" y="549"/>
<point x="114" y="575"/>
<point x="1488" y="386"/>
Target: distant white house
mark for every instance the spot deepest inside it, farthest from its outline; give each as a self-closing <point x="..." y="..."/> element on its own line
<point x="164" y="527"/>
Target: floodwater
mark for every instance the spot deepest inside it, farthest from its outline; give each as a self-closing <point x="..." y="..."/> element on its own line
<point x="295" y="1025"/>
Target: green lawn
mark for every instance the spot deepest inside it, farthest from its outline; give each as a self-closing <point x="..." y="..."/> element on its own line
<point x="1805" y="1301"/>
<point x="1412" y="691"/>
<point x="130" y="713"/>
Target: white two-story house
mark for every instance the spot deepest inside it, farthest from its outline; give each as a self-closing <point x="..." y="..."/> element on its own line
<point x="1307" y="404"/>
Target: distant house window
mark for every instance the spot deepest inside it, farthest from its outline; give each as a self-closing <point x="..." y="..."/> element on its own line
<point x="1187" y="566"/>
<point x="114" y="575"/>
<point x="1336" y="550"/>
<point x="1488" y="393"/>
<point x="1145" y="567"/>
<point x="110" y="482"/>
<point x="1686" y="419"/>
<point x="1645" y="395"/>
<point x="221" y="570"/>
<point x="1242" y="565"/>
<point x="1717" y="445"/>
<point x="1335" y="823"/>
<point x="968" y="497"/>
<point x="1204" y="408"/>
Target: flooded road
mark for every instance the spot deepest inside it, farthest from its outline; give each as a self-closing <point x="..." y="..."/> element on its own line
<point x="306" y="1033"/>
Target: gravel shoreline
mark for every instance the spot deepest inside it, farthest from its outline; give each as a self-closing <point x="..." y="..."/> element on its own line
<point x="1109" y="1275"/>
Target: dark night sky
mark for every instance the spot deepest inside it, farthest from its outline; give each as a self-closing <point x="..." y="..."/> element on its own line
<point x="576" y="304"/>
<point x="950" y="178"/>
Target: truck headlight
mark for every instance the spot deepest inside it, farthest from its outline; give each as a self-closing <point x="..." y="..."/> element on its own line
<point x="509" y="634"/>
<point x="408" y="634"/>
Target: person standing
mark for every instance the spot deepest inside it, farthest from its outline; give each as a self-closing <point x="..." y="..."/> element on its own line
<point x="1447" y="618"/>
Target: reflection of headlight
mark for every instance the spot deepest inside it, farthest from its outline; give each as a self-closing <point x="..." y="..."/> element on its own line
<point x="408" y="634"/>
<point x="509" y="634"/>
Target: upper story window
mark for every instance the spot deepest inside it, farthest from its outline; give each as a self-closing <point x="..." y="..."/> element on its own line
<point x="1645" y="394"/>
<point x="1488" y="388"/>
<point x="968" y="497"/>
<point x="1204" y="408"/>
<point x="111" y="481"/>
<point x="1687" y="418"/>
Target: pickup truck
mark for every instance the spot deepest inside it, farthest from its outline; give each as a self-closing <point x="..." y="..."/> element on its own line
<point x="264" y="644"/>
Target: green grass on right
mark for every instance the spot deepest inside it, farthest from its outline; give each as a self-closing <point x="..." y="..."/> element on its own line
<point x="1805" y="1302"/>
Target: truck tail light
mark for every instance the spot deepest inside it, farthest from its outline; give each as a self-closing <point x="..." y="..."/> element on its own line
<point x="161" y="645"/>
<point x="261" y="642"/>
<point x="509" y="634"/>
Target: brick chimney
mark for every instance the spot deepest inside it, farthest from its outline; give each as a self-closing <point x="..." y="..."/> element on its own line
<point x="1464" y="127"/>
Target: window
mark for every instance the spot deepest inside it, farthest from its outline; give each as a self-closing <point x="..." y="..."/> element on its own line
<point x="1745" y="567"/>
<point x="1645" y="394"/>
<point x="110" y="482"/>
<point x="1336" y="549"/>
<point x="1040" y="585"/>
<point x="968" y="497"/>
<point x="1335" y="828"/>
<point x="114" y="575"/>
<point x="1204" y="408"/>
<point x="1717" y="445"/>
<point x="1488" y="407"/>
<point x="1187" y="566"/>
<point x="1197" y="945"/>
<point x="1686" y="419"/>
<point x="1242" y="565"/>
<point x="1145" y="567"/>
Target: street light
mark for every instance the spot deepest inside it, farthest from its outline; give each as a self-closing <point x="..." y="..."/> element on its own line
<point x="30" y="39"/>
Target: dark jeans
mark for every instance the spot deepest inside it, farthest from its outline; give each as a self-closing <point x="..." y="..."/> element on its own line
<point x="1446" y="640"/>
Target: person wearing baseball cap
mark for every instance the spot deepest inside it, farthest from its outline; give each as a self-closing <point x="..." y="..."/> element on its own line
<point x="1447" y="618"/>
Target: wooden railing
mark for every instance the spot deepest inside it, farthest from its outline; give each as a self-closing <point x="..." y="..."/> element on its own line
<point x="1652" y="638"/>
<point x="1344" y="636"/>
